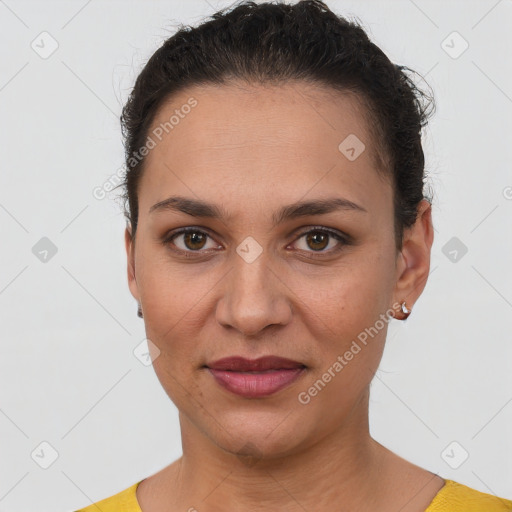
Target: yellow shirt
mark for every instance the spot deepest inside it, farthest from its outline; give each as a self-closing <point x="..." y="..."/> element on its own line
<point x="453" y="497"/>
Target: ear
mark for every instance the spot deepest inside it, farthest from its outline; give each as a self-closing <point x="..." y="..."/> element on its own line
<point x="413" y="265"/>
<point x="130" y="255"/>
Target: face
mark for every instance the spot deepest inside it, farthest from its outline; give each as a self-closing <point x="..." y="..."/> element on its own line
<point x="312" y="286"/>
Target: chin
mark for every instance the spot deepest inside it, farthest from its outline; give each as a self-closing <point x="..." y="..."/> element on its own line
<point x="262" y="436"/>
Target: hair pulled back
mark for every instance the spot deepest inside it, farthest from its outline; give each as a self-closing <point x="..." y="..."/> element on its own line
<point x="274" y="43"/>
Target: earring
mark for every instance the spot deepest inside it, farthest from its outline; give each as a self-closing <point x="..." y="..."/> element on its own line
<point x="139" y="311"/>
<point x="405" y="310"/>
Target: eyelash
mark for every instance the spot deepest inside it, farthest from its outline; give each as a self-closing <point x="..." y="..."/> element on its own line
<point x="344" y="239"/>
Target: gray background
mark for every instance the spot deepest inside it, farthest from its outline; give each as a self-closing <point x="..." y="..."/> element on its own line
<point x="68" y="374"/>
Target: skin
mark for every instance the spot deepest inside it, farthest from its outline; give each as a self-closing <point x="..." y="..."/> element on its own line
<point x="253" y="149"/>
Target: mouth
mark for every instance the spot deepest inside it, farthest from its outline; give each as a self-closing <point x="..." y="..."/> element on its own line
<point x="255" y="378"/>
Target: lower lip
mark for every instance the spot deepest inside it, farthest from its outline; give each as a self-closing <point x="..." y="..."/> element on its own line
<point x="255" y="385"/>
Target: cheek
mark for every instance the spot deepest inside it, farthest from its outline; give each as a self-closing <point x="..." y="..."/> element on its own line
<point x="177" y="305"/>
<point x="352" y="296"/>
<point x="349" y="316"/>
<point x="174" y="292"/>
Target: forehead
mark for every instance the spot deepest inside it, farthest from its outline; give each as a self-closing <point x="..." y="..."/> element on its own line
<point x="273" y="115"/>
<point x="261" y="142"/>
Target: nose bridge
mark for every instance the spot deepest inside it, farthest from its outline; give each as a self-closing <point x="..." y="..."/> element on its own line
<point x="252" y="272"/>
<point x="253" y="296"/>
<point x="251" y="262"/>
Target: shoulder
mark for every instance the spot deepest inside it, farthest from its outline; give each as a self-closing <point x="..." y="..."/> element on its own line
<point x="456" y="497"/>
<point x="125" y="500"/>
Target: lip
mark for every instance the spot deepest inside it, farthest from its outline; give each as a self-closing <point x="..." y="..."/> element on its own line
<point x="255" y="378"/>
<point x="241" y="364"/>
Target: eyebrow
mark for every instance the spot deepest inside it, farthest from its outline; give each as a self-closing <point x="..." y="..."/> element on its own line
<point x="198" y="208"/>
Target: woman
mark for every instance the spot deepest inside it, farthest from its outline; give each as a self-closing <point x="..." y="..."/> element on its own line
<point x="277" y="223"/>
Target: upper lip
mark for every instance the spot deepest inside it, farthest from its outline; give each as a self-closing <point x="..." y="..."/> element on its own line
<point x="241" y="364"/>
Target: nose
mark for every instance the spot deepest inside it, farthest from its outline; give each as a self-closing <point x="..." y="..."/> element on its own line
<point x="254" y="296"/>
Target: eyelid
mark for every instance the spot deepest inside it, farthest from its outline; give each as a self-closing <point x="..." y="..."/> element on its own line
<point x="340" y="236"/>
<point x="168" y="238"/>
<point x="331" y="231"/>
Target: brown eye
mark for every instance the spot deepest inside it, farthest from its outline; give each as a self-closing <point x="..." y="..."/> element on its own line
<point x="194" y="240"/>
<point x="189" y="240"/>
<point x="318" y="239"/>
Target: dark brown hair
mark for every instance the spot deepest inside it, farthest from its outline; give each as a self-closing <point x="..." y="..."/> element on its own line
<point x="273" y="43"/>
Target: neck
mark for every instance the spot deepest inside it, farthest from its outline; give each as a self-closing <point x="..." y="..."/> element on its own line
<point x="340" y="471"/>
